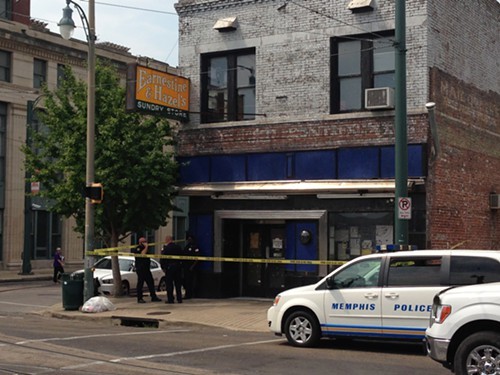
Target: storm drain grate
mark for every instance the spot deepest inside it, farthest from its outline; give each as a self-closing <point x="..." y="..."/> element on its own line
<point x="138" y="322"/>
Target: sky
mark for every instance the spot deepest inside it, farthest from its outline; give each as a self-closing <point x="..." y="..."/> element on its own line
<point x="148" y="27"/>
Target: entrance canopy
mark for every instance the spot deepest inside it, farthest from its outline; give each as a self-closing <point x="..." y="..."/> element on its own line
<point x="324" y="189"/>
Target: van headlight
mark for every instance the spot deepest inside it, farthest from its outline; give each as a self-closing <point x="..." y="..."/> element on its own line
<point x="276" y="300"/>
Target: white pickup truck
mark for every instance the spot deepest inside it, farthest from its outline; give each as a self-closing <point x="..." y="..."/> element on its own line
<point x="464" y="330"/>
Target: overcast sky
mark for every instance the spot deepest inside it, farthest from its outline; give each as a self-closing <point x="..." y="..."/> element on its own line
<point x="147" y="27"/>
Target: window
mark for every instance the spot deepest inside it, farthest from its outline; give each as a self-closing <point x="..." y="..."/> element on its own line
<point x="3" y="127"/>
<point x="418" y="271"/>
<point x="228" y="86"/>
<point x="473" y="270"/>
<point x="46" y="233"/>
<point x="359" y="63"/>
<point x="358" y="233"/>
<point x="362" y="274"/>
<point x="5" y="9"/>
<point x="61" y="74"/>
<point x="39" y="73"/>
<point x="5" y="63"/>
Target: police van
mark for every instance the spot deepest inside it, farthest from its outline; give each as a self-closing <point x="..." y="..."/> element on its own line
<point x="380" y="296"/>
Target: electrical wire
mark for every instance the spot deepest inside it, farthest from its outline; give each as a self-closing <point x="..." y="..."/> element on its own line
<point x="391" y="42"/>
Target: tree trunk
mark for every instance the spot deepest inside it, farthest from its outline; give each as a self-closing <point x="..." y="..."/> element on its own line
<point x="117" y="278"/>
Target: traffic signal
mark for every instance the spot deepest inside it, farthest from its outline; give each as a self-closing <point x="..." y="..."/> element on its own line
<point x="94" y="192"/>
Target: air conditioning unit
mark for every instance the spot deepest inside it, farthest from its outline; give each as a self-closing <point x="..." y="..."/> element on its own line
<point x="379" y="98"/>
<point x="495" y="201"/>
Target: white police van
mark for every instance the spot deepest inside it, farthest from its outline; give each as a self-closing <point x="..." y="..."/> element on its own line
<point x="383" y="295"/>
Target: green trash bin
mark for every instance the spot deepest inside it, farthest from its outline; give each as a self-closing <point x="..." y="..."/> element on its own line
<point x="72" y="291"/>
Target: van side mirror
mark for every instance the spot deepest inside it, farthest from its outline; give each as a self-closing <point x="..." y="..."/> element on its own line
<point x="330" y="283"/>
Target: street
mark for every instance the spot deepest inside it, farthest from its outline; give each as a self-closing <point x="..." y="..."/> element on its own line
<point x="35" y="344"/>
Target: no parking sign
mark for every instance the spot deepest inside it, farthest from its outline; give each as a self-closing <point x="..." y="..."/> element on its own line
<point x="404" y="208"/>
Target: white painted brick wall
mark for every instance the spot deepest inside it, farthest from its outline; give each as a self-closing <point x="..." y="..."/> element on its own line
<point x="293" y="46"/>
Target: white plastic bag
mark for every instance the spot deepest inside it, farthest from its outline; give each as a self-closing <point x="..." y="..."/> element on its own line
<point x="98" y="304"/>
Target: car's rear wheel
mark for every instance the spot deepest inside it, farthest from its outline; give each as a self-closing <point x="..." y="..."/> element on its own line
<point x="302" y="329"/>
<point x="478" y="354"/>
<point x="125" y="288"/>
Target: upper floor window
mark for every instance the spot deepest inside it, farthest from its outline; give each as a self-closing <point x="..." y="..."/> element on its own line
<point x="61" y="74"/>
<point x="3" y="129"/>
<point x="5" y="64"/>
<point x="39" y="73"/>
<point x="5" y="9"/>
<point x="359" y="63"/>
<point x="228" y="86"/>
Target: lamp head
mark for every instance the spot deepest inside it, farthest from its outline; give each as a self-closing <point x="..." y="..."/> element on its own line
<point x="66" y="24"/>
<point x="430" y="105"/>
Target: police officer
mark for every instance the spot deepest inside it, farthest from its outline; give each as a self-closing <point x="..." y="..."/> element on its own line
<point x="143" y="270"/>
<point x="188" y="266"/>
<point x="172" y="269"/>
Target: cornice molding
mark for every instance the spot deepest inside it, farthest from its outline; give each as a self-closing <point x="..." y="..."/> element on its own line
<point x="194" y="6"/>
<point x="43" y="53"/>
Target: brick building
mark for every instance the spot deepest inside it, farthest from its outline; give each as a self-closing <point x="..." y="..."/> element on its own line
<point x="31" y="55"/>
<point x="283" y="160"/>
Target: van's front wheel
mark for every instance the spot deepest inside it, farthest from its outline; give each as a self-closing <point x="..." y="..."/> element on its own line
<point x="302" y="329"/>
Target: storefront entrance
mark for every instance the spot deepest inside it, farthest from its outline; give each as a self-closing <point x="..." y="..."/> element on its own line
<point x="268" y="242"/>
<point x="266" y="236"/>
<point x="263" y="242"/>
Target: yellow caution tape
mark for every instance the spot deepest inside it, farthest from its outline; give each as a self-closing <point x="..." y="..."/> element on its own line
<point x="108" y="250"/>
<point x="105" y="252"/>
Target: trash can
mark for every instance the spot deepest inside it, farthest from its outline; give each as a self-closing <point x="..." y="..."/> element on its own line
<point x="72" y="291"/>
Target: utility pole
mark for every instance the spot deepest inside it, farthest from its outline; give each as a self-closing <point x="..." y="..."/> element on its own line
<point x="401" y="133"/>
<point x="67" y="27"/>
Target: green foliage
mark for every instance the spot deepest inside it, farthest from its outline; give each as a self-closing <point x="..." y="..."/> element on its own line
<point x="133" y="158"/>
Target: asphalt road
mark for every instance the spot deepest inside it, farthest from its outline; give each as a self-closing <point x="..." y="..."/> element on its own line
<point x="33" y="344"/>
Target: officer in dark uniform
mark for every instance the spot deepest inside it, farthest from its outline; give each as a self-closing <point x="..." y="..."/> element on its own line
<point x="172" y="269"/>
<point x="188" y="266"/>
<point x="143" y="270"/>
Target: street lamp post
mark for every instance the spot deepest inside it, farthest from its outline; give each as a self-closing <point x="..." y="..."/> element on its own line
<point x="67" y="26"/>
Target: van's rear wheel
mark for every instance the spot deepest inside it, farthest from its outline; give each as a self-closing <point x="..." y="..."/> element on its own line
<point x="302" y="329"/>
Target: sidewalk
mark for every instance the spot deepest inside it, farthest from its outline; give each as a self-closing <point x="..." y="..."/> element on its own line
<point x="247" y="314"/>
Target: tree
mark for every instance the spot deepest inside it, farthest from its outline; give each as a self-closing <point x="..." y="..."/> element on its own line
<point x="133" y="160"/>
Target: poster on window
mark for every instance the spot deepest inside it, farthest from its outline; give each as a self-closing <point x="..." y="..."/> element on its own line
<point x="355" y="246"/>
<point x="384" y="234"/>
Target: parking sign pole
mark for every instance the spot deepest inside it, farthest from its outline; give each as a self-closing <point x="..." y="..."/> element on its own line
<point x="401" y="147"/>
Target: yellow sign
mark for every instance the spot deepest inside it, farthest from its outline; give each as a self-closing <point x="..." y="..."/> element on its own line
<point x="156" y="92"/>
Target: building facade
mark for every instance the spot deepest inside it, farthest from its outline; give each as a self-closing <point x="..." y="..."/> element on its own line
<point x="30" y="56"/>
<point x="288" y="154"/>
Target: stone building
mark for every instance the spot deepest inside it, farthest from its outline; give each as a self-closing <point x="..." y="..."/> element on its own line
<point x="31" y="55"/>
<point x="284" y="159"/>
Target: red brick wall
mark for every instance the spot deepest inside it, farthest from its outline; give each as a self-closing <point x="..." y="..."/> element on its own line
<point x="468" y="168"/>
<point x="21" y="11"/>
<point x="311" y="135"/>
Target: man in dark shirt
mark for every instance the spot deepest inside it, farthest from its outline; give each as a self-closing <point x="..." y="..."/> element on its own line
<point x="172" y="269"/>
<point x="143" y="270"/>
